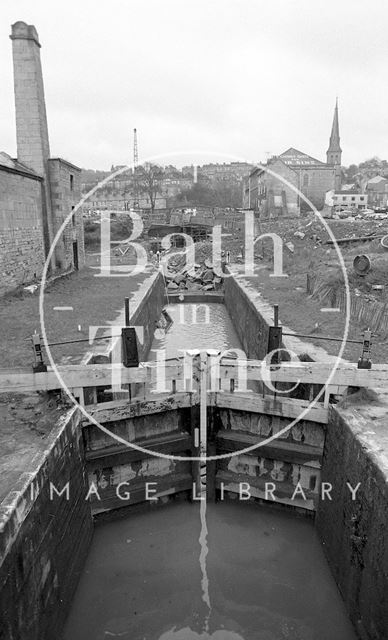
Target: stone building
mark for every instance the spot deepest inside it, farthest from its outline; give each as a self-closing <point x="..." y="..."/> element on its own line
<point x="21" y="225"/>
<point x="350" y="199"/>
<point x="37" y="192"/>
<point x="218" y="171"/>
<point x="272" y="196"/>
<point x="65" y="190"/>
<point x="377" y="191"/>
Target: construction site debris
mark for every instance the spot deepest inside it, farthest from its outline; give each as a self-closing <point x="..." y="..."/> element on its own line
<point x="195" y="277"/>
<point x="362" y="264"/>
<point x="353" y="239"/>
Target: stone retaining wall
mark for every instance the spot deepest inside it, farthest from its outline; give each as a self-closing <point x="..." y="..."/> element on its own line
<point x="251" y="326"/>
<point x="44" y="539"/>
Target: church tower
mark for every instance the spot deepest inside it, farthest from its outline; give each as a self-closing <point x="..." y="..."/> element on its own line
<point x="334" y="152"/>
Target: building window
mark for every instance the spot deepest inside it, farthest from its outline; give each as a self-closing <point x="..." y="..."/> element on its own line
<point x="73" y="217"/>
<point x="361" y="198"/>
<point x="353" y="198"/>
<point x="71" y="182"/>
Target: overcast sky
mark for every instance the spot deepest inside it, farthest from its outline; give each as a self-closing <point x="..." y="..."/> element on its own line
<point x="229" y="78"/>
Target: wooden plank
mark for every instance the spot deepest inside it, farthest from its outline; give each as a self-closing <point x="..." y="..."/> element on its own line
<point x="72" y="375"/>
<point x="79" y="395"/>
<point x="328" y="391"/>
<point x="156" y="403"/>
<point x="75" y="376"/>
<point x="167" y="485"/>
<point x="121" y="454"/>
<point x="94" y="395"/>
<point x="347" y="374"/>
<point x="270" y="405"/>
<point x="283" y="492"/>
<point x="333" y="390"/>
<point x="284" y="450"/>
<point x="284" y="407"/>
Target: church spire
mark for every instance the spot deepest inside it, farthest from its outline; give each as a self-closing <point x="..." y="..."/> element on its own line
<point x="333" y="154"/>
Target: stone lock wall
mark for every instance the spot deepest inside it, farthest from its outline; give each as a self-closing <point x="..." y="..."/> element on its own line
<point x="146" y="313"/>
<point x="354" y="532"/>
<point x="44" y="539"/>
<point x="251" y="326"/>
<point x="145" y="306"/>
<point x="21" y="232"/>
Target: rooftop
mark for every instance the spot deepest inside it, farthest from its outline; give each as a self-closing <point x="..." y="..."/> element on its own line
<point x="293" y="157"/>
<point x="376" y="179"/>
<point x="11" y="165"/>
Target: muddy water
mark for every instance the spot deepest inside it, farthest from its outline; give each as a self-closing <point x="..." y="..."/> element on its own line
<point x="267" y="579"/>
<point x="196" y="327"/>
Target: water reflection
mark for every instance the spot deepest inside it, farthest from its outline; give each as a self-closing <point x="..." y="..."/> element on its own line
<point x="196" y="327"/>
<point x="267" y="574"/>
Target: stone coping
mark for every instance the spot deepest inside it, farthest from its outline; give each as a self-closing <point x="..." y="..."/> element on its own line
<point x="136" y="300"/>
<point x="18" y="503"/>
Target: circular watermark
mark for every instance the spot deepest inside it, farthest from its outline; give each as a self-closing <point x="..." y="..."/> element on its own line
<point x="200" y="458"/>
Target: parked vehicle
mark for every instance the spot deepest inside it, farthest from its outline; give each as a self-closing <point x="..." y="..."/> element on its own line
<point x="380" y="209"/>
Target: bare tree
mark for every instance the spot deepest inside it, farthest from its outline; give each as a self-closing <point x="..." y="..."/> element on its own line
<point x="215" y="193"/>
<point x="149" y="178"/>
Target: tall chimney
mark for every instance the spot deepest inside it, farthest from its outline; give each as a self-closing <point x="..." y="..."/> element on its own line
<point x="31" y="121"/>
<point x="33" y="147"/>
